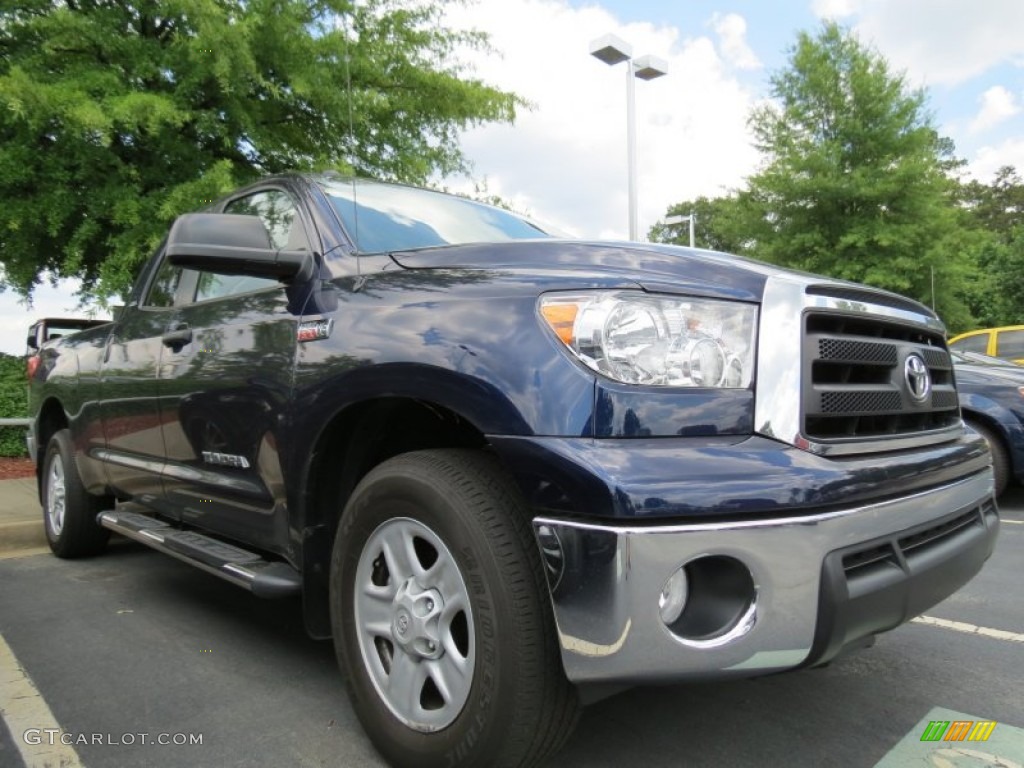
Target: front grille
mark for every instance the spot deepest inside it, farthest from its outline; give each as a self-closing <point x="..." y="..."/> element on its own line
<point x="841" y="369"/>
<point x="855" y="380"/>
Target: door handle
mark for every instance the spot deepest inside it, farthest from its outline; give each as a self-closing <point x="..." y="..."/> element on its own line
<point x="178" y="338"/>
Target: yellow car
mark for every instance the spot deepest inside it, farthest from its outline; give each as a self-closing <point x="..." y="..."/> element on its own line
<point x="1006" y="342"/>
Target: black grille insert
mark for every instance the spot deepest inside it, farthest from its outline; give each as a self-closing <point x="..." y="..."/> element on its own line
<point x="847" y="351"/>
<point x="855" y="380"/>
<point x="910" y="546"/>
<point x="933" y="537"/>
<point x="878" y="562"/>
<point x="860" y="402"/>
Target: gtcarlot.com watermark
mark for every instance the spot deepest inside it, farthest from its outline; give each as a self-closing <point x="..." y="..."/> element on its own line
<point x="53" y="736"/>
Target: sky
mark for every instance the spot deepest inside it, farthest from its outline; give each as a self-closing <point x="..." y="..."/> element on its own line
<point x="564" y="159"/>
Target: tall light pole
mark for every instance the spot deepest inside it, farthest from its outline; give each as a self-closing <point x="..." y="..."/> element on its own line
<point x="613" y="50"/>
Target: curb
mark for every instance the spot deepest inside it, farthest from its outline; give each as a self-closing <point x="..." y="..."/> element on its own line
<point x="21" y="534"/>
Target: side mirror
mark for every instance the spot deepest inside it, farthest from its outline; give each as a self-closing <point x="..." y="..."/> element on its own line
<point x="31" y="341"/>
<point x="233" y="244"/>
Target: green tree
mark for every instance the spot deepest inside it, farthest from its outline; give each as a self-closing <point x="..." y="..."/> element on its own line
<point x="997" y="207"/>
<point x="856" y="182"/>
<point x="994" y="214"/>
<point x="117" y="116"/>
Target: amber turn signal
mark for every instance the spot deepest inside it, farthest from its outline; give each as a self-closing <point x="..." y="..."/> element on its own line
<point x="561" y="318"/>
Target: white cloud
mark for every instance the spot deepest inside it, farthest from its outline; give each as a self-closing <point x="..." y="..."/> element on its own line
<point x="990" y="159"/>
<point x="731" y="29"/>
<point x="939" y="42"/>
<point x="48" y="301"/>
<point x="997" y="104"/>
<point x="834" y="9"/>
<point x="565" y="161"/>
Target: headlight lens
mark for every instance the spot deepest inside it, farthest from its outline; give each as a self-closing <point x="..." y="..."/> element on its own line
<point x="666" y="341"/>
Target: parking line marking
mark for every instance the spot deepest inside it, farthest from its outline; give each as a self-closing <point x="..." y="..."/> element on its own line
<point x="1013" y="522"/>
<point x="23" y="709"/>
<point x="970" y="629"/>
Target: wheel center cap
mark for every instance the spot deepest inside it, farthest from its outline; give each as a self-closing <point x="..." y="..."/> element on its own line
<point x="416" y="613"/>
<point x="402" y="623"/>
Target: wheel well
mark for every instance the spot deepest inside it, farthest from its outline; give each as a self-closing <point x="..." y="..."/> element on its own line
<point x="354" y="442"/>
<point x="971" y="418"/>
<point x="361" y="437"/>
<point x="51" y="420"/>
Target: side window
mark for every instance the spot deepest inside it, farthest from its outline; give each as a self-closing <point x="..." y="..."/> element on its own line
<point x="1010" y="344"/>
<point x="975" y="343"/>
<point x="164" y="285"/>
<point x="278" y="213"/>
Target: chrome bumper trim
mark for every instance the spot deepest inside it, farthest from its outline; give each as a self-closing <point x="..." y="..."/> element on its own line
<point x="606" y="603"/>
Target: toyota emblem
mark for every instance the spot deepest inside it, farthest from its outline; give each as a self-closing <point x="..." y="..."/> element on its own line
<point x="919" y="380"/>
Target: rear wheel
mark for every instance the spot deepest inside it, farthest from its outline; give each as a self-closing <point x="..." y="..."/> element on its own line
<point x="441" y="617"/>
<point x="1000" y="457"/>
<point x="69" y="511"/>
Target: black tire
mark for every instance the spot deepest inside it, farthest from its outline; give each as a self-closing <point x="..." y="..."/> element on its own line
<point x="519" y="708"/>
<point x="1000" y="457"/>
<point x="70" y="523"/>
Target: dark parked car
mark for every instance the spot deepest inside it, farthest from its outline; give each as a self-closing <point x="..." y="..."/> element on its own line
<point x="992" y="402"/>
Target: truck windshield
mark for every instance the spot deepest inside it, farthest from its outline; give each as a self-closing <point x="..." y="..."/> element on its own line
<point x="389" y="217"/>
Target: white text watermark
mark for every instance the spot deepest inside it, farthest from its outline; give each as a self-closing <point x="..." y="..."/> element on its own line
<point x="52" y="736"/>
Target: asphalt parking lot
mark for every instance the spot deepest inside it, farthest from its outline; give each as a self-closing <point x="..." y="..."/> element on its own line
<point x="132" y="648"/>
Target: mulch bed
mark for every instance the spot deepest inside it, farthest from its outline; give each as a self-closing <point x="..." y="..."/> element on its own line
<point x="14" y="468"/>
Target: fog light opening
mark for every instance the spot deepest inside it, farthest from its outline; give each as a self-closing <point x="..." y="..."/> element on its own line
<point x="709" y="602"/>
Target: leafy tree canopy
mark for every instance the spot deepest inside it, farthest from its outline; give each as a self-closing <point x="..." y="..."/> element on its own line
<point x="856" y="183"/>
<point x="995" y="215"/>
<point x="999" y="206"/>
<point x="117" y="116"/>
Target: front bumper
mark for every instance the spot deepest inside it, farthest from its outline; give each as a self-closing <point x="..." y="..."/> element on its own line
<point x="820" y="583"/>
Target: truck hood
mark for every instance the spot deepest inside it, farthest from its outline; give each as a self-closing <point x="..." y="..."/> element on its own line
<point x="661" y="268"/>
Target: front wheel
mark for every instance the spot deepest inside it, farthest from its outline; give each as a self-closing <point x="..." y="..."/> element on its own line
<point x="69" y="511"/>
<point x="441" y="617"/>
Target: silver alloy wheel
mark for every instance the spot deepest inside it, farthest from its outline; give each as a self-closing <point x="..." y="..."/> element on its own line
<point x="414" y="624"/>
<point x="56" y="495"/>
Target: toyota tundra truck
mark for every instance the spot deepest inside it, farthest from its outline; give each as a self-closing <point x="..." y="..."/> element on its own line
<point x="509" y="472"/>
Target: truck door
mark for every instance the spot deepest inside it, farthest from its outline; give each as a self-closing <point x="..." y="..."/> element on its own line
<point x="129" y="389"/>
<point x="225" y="394"/>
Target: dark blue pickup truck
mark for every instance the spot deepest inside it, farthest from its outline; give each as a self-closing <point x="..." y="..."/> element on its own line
<point x="507" y="472"/>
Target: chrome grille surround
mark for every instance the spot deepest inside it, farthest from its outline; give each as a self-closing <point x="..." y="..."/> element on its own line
<point x="831" y="369"/>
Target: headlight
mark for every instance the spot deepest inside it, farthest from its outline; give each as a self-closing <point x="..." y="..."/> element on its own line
<point x="666" y="341"/>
